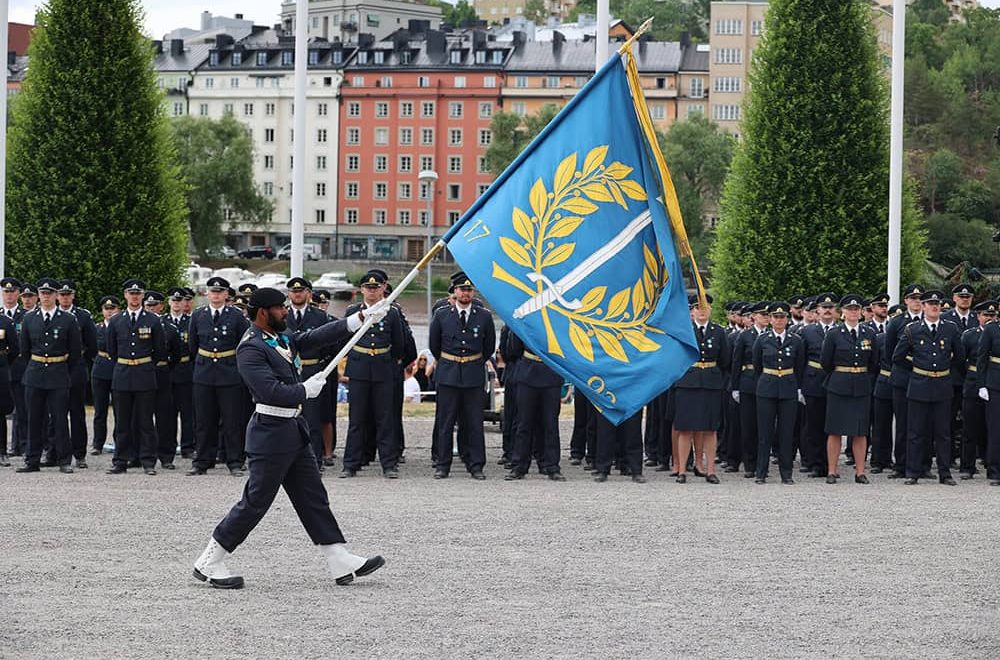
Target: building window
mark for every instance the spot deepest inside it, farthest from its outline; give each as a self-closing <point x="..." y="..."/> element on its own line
<point x="268" y="162"/>
<point x="268" y="135"/>
<point x="427" y="162"/>
<point x="313" y="57"/>
<point x="456" y="57"/>
<point x="729" y="56"/>
<point x="234" y="83"/>
<point x="427" y="109"/>
<point x="483" y="187"/>
<point x="453" y="217"/>
<point x="696" y="109"/>
<point x="338" y="57"/>
<point x="381" y="109"/>
<point x="658" y="112"/>
<point x="268" y="189"/>
<point x="378" y="57"/>
<point x="287" y="58"/>
<point x="426" y="136"/>
<point x="321" y="135"/>
<point x="322" y="109"/>
<point x="456" y="110"/>
<point x="552" y="82"/>
<point x="321" y="190"/>
<point x="423" y="81"/>
<point x="262" y="58"/>
<point x="353" y="162"/>
<point x="378" y="217"/>
<point x="406" y="136"/>
<point x="354" y="136"/>
<point x="725" y="112"/>
<point x="454" y="192"/>
<point x="321" y="163"/>
<point x="729" y="26"/>
<point x="489" y="82"/>
<point x="485" y="137"/>
<point x="362" y="57"/>
<point x="227" y="108"/>
<point x="403" y="216"/>
<point x="237" y="58"/>
<point x="404" y="191"/>
<point x="485" y="110"/>
<point x="381" y="163"/>
<point x="248" y="109"/>
<point x="520" y="81"/>
<point x="518" y="109"/>
<point x="455" y="164"/>
<point x="480" y="57"/>
<point x="481" y="165"/>
<point x="213" y="59"/>
<point x="269" y="109"/>
<point x="380" y="190"/>
<point x="405" y="57"/>
<point x="353" y="109"/>
<point x="425" y="191"/>
<point x="351" y="216"/>
<point x="405" y="164"/>
<point x="756" y="27"/>
<point x="455" y="137"/>
<point x="386" y="81"/>
<point x="422" y="218"/>
<point x="320" y="216"/>
<point x="209" y="83"/>
<point x="381" y="136"/>
<point x="351" y="190"/>
<point x="459" y="82"/>
<point x="203" y="109"/>
<point x="727" y="84"/>
<point x="358" y="81"/>
<point x="178" y="109"/>
<point x="406" y="108"/>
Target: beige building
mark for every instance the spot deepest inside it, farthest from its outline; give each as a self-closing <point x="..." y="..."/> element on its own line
<point x="343" y="20"/>
<point x="955" y="7"/>
<point x="495" y="11"/>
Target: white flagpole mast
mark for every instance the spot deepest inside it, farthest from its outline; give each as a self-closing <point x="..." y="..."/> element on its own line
<point x="4" y="45"/>
<point x="603" y="27"/>
<point x="299" y="146"/>
<point x="896" y="148"/>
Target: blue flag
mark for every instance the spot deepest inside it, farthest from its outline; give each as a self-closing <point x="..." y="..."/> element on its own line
<point x="573" y="248"/>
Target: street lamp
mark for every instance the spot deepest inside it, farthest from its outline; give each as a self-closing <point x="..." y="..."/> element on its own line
<point x="429" y="178"/>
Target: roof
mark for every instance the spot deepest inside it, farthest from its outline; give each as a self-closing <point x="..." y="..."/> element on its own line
<point x="433" y="50"/>
<point x="194" y="55"/>
<point x="579" y="56"/>
<point x="274" y="43"/>
<point x="696" y="58"/>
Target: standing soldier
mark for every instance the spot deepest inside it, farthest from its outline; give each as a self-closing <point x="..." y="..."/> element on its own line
<point x="135" y="346"/>
<point x="622" y="443"/>
<point x="973" y="407"/>
<point x="961" y="314"/>
<point x="321" y="300"/>
<point x="165" y="411"/>
<point x="218" y="392"/>
<point x="779" y="360"/>
<point x="900" y="374"/>
<point x="10" y="291"/>
<point x="181" y="372"/>
<point x="934" y="348"/>
<point x="882" y="408"/>
<point x="302" y="317"/>
<point x="880" y="313"/>
<point x="50" y="339"/>
<point x="371" y="370"/>
<point x="988" y="381"/>
<point x="80" y="374"/>
<point x="698" y="395"/>
<point x="101" y="375"/>
<point x="462" y="338"/>
<point x="744" y="388"/>
<point x="510" y="399"/>
<point x="813" y="449"/>
<point x="8" y="353"/>
<point x="850" y="360"/>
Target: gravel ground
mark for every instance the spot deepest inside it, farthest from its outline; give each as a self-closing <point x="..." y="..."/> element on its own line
<point x="96" y="566"/>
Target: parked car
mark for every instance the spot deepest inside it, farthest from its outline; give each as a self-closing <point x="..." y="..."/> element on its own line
<point x="336" y="283"/>
<point x="257" y="252"/>
<point x="197" y="275"/>
<point x="221" y="252"/>
<point x="310" y="252"/>
<point x="273" y="280"/>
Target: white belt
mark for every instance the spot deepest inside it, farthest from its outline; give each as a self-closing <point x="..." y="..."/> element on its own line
<point x="276" y="411"/>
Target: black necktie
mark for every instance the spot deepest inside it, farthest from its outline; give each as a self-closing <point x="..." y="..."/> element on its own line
<point x="880" y="328"/>
<point x="215" y="316"/>
<point x="701" y="335"/>
<point x="779" y="340"/>
<point x="462" y="315"/>
<point x="298" y="317"/>
<point x="933" y="330"/>
<point x="48" y="317"/>
<point x="854" y="335"/>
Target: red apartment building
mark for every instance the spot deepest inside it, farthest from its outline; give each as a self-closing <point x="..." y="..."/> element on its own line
<point x="418" y="100"/>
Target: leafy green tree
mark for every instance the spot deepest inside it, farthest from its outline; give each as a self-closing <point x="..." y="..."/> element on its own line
<point x="943" y="174"/>
<point x="670" y="17"/>
<point x="972" y="199"/>
<point x="460" y="14"/>
<point x="217" y="161"/>
<point x="94" y="190"/>
<point x="534" y="11"/>
<point x="805" y="207"/>
<point x="954" y="239"/>
<point x="512" y="133"/>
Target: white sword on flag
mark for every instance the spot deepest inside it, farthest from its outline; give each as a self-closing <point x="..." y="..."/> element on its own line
<point x="555" y="290"/>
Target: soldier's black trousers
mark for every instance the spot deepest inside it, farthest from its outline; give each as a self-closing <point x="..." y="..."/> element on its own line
<point x="814" y="449"/>
<point x="775" y="429"/>
<point x="748" y="432"/>
<point x="371" y="400"/>
<point x="397" y="414"/>
<point x="42" y="405"/>
<point x="454" y="404"/>
<point x="298" y="474"/>
<point x="510" y="420"/>
<point x="78" y="419"/>
<point x="623" y="441"/>
<point x="665" y="450"/>
<point x="537" y="416"/>
<point x="184" y="406"/>
<point x="211" y="404"/>
<point x="102" y="403"/>
<point x="881" y="433"/>
<point x="135" y="434"/>
<point x="19" y="434"/>
<point x="651" y="434"/>
<point x="928" y="428"/>
<point x="973" y="433"/>
<point x="900" y="412"/>
<point x="166" y="420"/>
<point x="578" y="441"/>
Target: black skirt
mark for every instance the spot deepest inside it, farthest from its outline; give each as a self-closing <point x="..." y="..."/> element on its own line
<point x="847" y="415"/>
<point x="697" y="409"/>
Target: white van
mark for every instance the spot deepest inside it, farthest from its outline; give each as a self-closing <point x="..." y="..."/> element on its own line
<point x="310" y="252"/>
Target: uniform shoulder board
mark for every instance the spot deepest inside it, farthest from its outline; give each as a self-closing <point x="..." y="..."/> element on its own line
<point x="250" y="333"/>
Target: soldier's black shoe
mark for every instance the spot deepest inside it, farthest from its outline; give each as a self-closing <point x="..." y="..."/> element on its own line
<point x="897" y="475"/>
<point x="96" y="452"/>
<point x="478" y="475"/>
<point x="28" y="468"/>
<point x="831" y="478"/>
<point x="514" y="475"/>
<point x="440" y="474"/>
<point x="81" y="464"/>
<point x="788" y="482"/>
<point x="911" y="481"/>
<point x="661" y="468"/>
<point x="116" y="469"/>
<point x="347" y="473"/>
<point x="391" y="473"/>
<point x="649" y="462"/>
<point x="168" y="466"/>
<point x="588" y="466"/>
<point x="732" y="468"/>
<point x="748" y="475"/>
<point x="712" y="479"/>
<point x="600" y="477"/>
<point x="575" y="461"/>
<point x="196" y="472"/>
<point x="760" y="480"/>
<point x="3" y="461"/>
<point x="638" y="479"/>
<point x="682" y="479"/>
<point x="237" y="472"/>
<point x="47" y="463"/>
<point x="948" y="481"/>
<point x="995" y="482"/>
<point x="149" y="471"/>
<point x="556" y="476"/>
<point x="329" y="462"/>
<point x="134" y="464"/>
<point x="965" y="476"/>
<point x="66" y="469"/>
<point x="877" y="470"/>
<point x="861" y="479"/>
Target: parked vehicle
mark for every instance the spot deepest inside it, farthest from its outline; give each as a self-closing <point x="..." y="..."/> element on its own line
<point x="235" y="275"/>
<point x="336" y="283"/>
<point x="197" y="275"/>
<point x="221" y="252"/>
<point x="257" y="252"/>
<point x="310" y="252"/>
<point x="273" y="280"/>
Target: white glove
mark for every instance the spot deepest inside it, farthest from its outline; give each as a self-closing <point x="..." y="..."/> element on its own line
<point x="984" y="394"/>
<point x="314" y="385"/>
<point x="802" y="399"/>
<point x="377" y="311"/>
<point x="736" y="396"/>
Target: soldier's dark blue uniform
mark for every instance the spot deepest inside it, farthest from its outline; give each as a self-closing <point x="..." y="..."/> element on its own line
<point x="510" y="363"/>
<point x="881" y="459"/>
<point x="988" y="379"/>
<point x="461" y="340"/>
<point x="181" y="373"/>
<point x="135" y="345"/>
<point x="51" y="341"/>
<point x="317" y="411"/>
<point x="8" y="353"/>
<point x="19" y="432"/>
<point x="936" y="351"/>
<point x="100" y="379"/>
<point x="538" y="404"/>
<point x="973" y="407"/>
<point x="80" y="375"/>
<point x="218" y="390"/>
<point x="813" y="449"/>
<point x="744" y="381"/>
<point x="165" y="412"/>
<point x="899" y="379"/>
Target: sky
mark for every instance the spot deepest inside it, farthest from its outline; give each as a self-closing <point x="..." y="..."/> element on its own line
<point x="162" y="16"/>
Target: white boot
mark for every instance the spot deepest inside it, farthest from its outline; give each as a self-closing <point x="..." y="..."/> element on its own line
<point x="344" y="566"/>
<point x="211" y="566"/>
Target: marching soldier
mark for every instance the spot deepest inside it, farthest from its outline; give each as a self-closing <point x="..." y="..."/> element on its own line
<point x="779" y="360"/>
<point x="50" y="339"/>
<point x="10" y="292"/>
<point x="850" y="361"/>
<point x="218" y="392"/>
<point x="935" y="348"/>
<point x="900" y="373"/>
<point x="303" y="316"/>
<point x="973" y="407"/>
<point x="135" y="345"/>
<point x="80" y="374"/>
<point x="538" y="405"/>
<point x="462" y="339"/>
<point x="102" y="374"/>
<point x="182" y="370"/>
<point x="371" y="370"/>
<point x="813" y="449"/>
<point x="698" y="395"/>
<point x="744" y="388"/>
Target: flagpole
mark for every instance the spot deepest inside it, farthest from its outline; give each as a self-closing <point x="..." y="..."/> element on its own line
<point x="4" y="45"/>
<point x="896" y="149"/>
<point x="603" y="27"/>
<point x="299" y="142"/>
<point x="370" y="321"/>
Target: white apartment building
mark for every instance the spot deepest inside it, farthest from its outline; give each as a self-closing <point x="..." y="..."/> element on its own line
<point x="343" y="20"/>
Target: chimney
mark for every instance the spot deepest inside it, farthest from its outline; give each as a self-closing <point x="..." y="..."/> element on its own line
<point x="519" y="39"/>
<point x="11" y="58"/>
<point x="478" y="40"/>
<point x="158" y="47"/>
<point x="365" y="40"/>
<point x="558" y="39"/>
<point x="436" y="42"/>
<point x="401" y="40"/>
<point x="223" y="40"/>
<point x="418" y="26"/>
<point x="685" y="39"/>
<point x="206" y="20"/>
<point x="238" y="17"/>
<point x="176" y="47"/>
